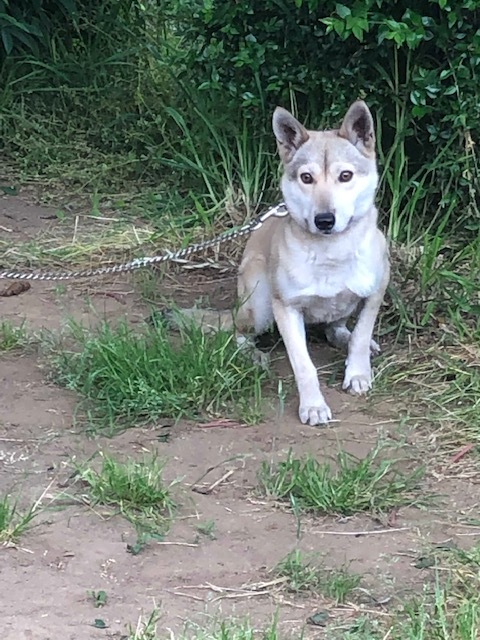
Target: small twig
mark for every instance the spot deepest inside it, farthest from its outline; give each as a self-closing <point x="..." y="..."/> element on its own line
<point x="178" y="544"/>
<point x="463" y="452"/>
<point x="208" y="490"/>
<point x="247" y="594"/>
<point x="111" y="294"/>
<point x="362" y="533"/>
<point x="476" y="533"/>
<point x="241" y="456"/>
<point x="186" y="595"/>
<point x="261" y="586"/>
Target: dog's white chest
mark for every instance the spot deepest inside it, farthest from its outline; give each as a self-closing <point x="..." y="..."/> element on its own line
<point x="327" y="286"/>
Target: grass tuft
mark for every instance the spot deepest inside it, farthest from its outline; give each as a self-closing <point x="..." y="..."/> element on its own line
<point x="129" y="378"/>
<point x="438" y="385"/>
<point x="136" y="489"/>
<point x="13" y="524"/>
<point x="228" y="629"/>
<point x="350" y="487"/>
<point x="306" y="576"/>
<point x="12" y="336"/>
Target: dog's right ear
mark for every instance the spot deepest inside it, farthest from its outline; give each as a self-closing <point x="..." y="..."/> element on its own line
<point x="290" y="134"/>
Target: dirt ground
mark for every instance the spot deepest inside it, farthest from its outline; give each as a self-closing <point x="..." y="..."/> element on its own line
<point x="73" y="550"/>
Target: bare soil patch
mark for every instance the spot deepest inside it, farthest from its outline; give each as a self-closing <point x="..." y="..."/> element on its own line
<point x="74" y="549"/>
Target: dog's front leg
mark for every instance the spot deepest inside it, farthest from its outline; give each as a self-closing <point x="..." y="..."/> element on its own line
<point x="358" y="371"/>
<point x="313" y="408"/>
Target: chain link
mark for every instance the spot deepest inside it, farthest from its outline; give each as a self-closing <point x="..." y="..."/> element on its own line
<point x="280" y="211"/>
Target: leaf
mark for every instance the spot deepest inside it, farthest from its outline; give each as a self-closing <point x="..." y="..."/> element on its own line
<point x="7" y="41"/>
<point x="100" y="624"/>
<point x="9" y="190"/>
<point x="342" y="10"/>
<point x="424" y="562"/>
<point x="319" y="619"/>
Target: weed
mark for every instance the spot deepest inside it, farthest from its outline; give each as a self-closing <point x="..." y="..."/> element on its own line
<point x="437" y="385"/>
<point x="14" y="524"/>
<point x="12" y="336"/>
<point x="434" y="288"/>
<point x="352" y="486"/>
<point x="146" y="629"/>
<point x="136" y="489"/>
<point x="99" y="598"/>
<point x="448" y="609"/>
<point x="228" y="629"/>
<point x="128" y="378"/>
<point x="441" y="617"/>
<point x="207" y="529"/>
<point x="305" y="575"/>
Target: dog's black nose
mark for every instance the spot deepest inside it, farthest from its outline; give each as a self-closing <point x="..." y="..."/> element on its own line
<point x="324" y="221"/>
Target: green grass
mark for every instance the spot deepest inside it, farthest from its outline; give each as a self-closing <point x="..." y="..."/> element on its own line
<point x="306" y="575"/>
<point x="14" y="523"/>
<point x="448" y="607"/>
<point x="129" y="377"/>
<point x="135" y="489"/>
<point x="98" y="598"/>
<point x="349" y="486"/>
<point x="434" y="287"/>
<point x="437" y="385"/>
<point x="441" y="617"/>
<point x="213" y="629"/>
<point x="12" y="336"/>
<point x="207" y="529"/>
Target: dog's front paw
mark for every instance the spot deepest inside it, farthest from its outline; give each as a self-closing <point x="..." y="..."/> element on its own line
<point x="315" y="415"/>
<point x="357" y="384"/>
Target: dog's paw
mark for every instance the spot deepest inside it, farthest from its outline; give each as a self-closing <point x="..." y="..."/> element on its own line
<point x="374" y="348"/>
<point x="315" y="415"/>
<point x="357" y="385"/>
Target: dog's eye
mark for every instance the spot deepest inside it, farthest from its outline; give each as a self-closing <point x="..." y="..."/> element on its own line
<point x="345" y="176"/>
<point x="306" y="178"/>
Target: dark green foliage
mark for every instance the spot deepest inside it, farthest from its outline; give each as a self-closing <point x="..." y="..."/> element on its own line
<point x="416" y="65"/>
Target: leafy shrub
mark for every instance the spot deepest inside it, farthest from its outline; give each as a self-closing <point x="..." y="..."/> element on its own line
<point x="416" y="65"/>
<point x="26" y="25"/>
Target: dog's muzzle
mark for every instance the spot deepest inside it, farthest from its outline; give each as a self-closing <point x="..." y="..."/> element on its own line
<point x="324" y="221"/>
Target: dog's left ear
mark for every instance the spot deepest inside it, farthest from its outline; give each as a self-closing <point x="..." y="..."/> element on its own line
<point x="358" y="127"/>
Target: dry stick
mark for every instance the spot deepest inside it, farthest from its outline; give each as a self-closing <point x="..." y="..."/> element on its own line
<point x="241" y="595"/>
<point x="186" y="595"/>
<point x="261" y="586"/>
<point x="209" y="489"/>
<point x="361" y="533"/>
<point x="241" y="456"/>
<point x="213" y="587"/>
<point x="178" y="544"/>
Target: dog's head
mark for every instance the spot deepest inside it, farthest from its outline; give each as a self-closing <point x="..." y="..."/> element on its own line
<point x="330" y="177"/>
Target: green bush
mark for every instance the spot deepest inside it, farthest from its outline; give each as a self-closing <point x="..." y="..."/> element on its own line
<point x="416" y="65"/>
<point x="27" y="25"/>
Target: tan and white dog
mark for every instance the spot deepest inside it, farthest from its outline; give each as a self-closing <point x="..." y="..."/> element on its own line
<point x="326" y="260"/>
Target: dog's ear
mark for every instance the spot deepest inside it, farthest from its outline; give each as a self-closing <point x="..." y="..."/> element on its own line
<point x="358" y="127"/>
<point x="290" y="134"/>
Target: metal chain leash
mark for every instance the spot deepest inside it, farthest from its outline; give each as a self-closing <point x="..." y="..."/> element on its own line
<point x="280" y="211"/>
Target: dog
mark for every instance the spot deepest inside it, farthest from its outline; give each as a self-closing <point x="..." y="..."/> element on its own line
<point x="326" y="260"/>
